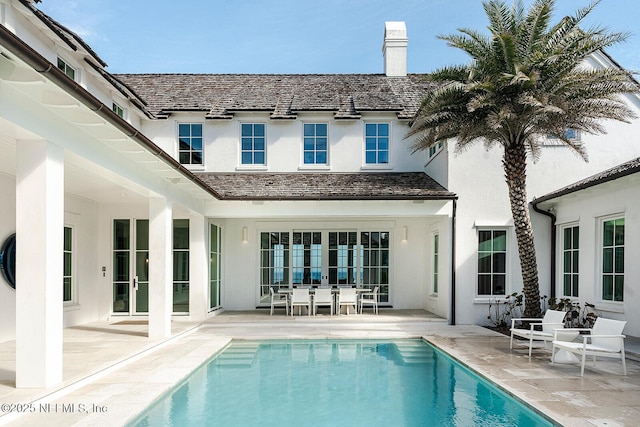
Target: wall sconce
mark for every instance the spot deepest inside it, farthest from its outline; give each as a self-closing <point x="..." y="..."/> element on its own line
<point x="404" y="233"/>
<point x="245" y="235"/>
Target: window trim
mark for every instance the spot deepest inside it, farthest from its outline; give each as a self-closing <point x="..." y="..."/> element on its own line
<point x="315" y="165"/>
<point x="561" y="254"/>
<point x="193" y="166"/>
<point x="600" y="255"/>
<point x="552" y="141"/>
<point x="435" y="262"/>
<point x="74" y="286"/>
<point x="376" y="165"/>
<point x="67" y="67"/>
<point x="252" y="166"/>
<point x="115" y="106"/>
<point x="175" y="251"/>
<point x="507" y="273"/>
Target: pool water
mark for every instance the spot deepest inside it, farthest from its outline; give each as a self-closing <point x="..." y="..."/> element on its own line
<point x="336" y="383"/>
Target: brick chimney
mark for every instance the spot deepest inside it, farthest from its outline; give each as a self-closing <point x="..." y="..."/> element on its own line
<point x="394" y="49"/>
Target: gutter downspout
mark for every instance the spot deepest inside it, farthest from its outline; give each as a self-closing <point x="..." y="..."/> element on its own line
<point x="534" y="205"/>
<point x="453" y="262"/>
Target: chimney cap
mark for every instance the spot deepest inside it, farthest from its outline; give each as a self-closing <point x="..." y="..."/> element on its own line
<point x="395" y="30"/>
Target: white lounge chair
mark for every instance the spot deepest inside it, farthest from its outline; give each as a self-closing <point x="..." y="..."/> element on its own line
<point x="539" y="329"/>
<point x="278" y="300"/>
<point x="370" y="298"/>
<point x="605" y="340"/>
<point x="300" y="298"/>
<point x="348" y="298"/>
<point x="322" y="297"/>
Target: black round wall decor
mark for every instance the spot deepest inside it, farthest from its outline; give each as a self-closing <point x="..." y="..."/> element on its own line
<point x="8" y="260"/>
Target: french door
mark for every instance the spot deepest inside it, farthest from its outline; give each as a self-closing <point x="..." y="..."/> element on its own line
<point x="324" y="258"/>
<point x="131" y="266"/>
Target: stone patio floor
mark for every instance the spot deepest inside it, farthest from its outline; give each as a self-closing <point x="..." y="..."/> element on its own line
<point x="112" y="371"/>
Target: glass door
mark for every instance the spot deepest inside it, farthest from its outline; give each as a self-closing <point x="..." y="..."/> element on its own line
<point x="215" y="246"/>
<point x="342" y="258"/>
<point x="306" y="258"/>
<point x="324" y="258"/>
<point x="130" y="266"/>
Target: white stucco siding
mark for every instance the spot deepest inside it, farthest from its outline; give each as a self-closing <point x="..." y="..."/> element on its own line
<point x="477" y="177"/>
<point x="410" y="263"/>
<point x="82" y="216"/>
<point x="587" y="209"/>
<point x="284" y="142"/>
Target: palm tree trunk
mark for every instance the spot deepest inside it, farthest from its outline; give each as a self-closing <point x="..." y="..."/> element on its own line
<point x="515" y="167"/>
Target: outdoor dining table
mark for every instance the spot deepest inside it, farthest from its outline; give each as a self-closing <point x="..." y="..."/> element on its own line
<point x="334" y="291"/>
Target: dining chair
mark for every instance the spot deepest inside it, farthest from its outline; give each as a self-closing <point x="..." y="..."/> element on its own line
<point x="278" y="300"/>
<point x="300" y="298"/>
<point x="322" y="297"/>
<point x="370" y="298"/>
<point x="348" y="298"/>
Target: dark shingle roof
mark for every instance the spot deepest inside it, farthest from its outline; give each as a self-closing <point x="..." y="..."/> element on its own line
<point x="282" y="95"/>
<point x="627" y="168"/>
<point x="326" y="186"/>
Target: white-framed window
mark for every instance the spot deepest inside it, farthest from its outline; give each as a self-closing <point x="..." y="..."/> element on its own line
<point x="68" y="294"/>
<point x="180" y="265"/>
<point x="376" y="143"/>
<point x="435" y="149"/>
<point x="434" y="267"/>
<point x="117" y="109"/>
<point x="315" y="144"/>
<point x="253" y="144"/>
<point x="570" y="260"/>
<point x="190" y="148"/>
<point x="66" y="68"/>
<point x="570" y="134"/>
<point x="215" y="263"/>
<point x="612" y="261"/>
<point x="492" y="262"/>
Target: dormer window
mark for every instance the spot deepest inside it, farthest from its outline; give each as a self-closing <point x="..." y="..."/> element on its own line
<point x="67" y="69"/>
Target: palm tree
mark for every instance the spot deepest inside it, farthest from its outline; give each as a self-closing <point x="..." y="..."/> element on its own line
<point x="526" y="81"/>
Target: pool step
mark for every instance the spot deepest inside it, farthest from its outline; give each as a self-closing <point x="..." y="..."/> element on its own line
<point x="238" y="355"/>
<point x="410" y="353"/>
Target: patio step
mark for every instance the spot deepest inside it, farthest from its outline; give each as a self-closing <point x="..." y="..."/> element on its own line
<point x="237" y="355"/>
<point x="410" y="353"/>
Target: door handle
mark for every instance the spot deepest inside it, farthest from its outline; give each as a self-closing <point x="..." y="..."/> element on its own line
<point x="135" y="283"/>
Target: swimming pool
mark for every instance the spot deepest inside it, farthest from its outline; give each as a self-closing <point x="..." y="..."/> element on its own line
<point x="333" y="383"/>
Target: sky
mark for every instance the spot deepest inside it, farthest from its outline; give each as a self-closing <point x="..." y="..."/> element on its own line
<point x="295" y="36"/>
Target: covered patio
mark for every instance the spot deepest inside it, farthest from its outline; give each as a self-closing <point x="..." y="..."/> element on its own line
<point x="114" y="371"/>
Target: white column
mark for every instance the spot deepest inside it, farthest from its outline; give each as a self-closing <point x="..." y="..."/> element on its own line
<point x="198" y="267"/>
<point x="39" y="263"/>
<point x="160" y="267"/>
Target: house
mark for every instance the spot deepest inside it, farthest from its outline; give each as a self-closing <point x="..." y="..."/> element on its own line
<point x="595" y="221"/>
<point x="176" y="196"/>
<point x="484" y="226"/>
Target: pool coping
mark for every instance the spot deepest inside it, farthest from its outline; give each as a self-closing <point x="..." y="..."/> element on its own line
<point x="127" y="389"/>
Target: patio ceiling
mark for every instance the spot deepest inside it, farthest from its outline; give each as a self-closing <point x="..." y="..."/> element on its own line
<point x="37" y="107"/>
